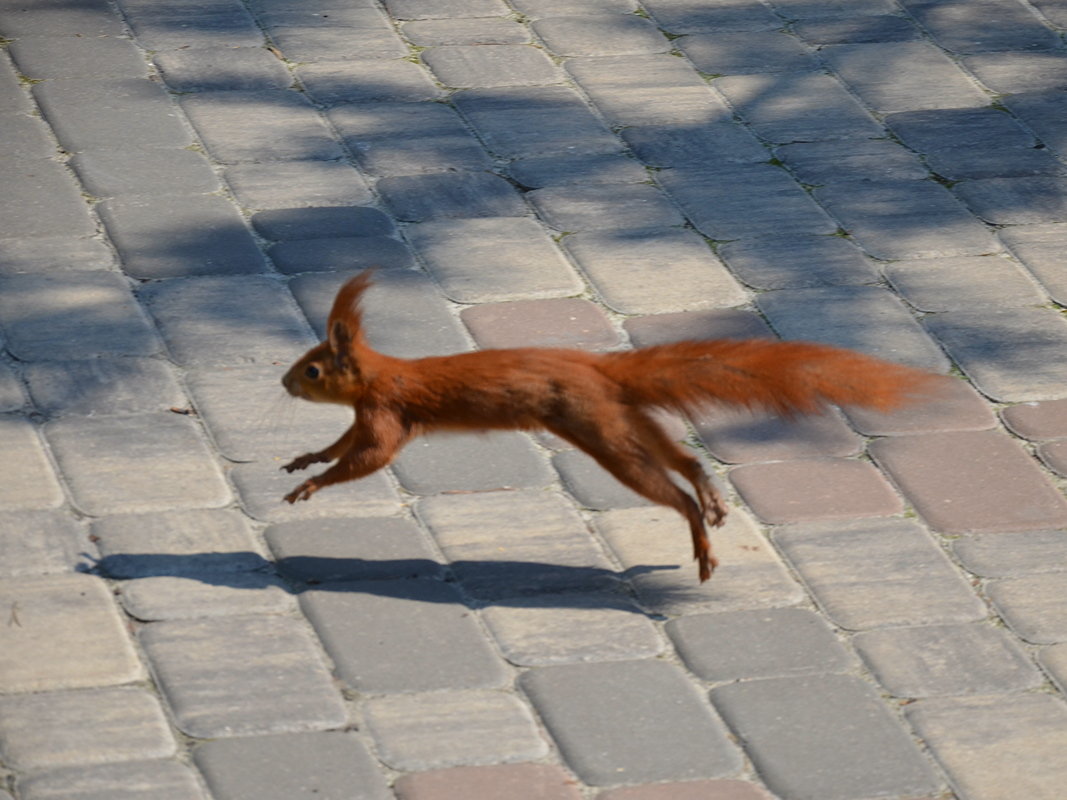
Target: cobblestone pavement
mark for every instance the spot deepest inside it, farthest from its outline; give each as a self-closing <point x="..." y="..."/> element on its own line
<point x="184" y="185"/>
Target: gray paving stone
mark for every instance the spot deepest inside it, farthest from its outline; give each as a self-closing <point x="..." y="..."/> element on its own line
<point x="564" y="170"/>
<point x="417" y="732"/>
<point x="359" y="30"/>
<point x="42" y="199"/>
<point x="191" y="24"/>
<point x="626" y="207"/>
<point x="88" y="114"/>
<point x="371" y="548"/>
<point x="956" y="407"/>
<point x="568" y="322"/>
<point x="877" y="573"/>
<point x="367" y="80"/>
<point x="222" y="69"/>
<point x="964" y="282"/>
<point x="509" y="544"/>
<point x="1038" y="248"/>
<point x="600" y="35"/>
<point x="704" y="146"/>
<point x="227" y="320"/>
<point x="768" y="643"/>
<point x="992" y="746"/>
<point x="170" y="237"/>
<point x="825" y="736"/>
<point x="654" y="548"/>
<point x="262" y="485"/>
<point x="654" y="271"/>
<point x="487" y="260"/>
<point x="260" y="126"/>
<point x="964" y="27"/>
<point x="41" y="542"/>
<point x="647" y="90"/>
<point x="1044" y="113"/>
<point x="678" y="16"/>
<point x="903" y="76"/>
<point x="462" y="195"/>
<point x="546" y="630"/>
<point x="12" y="395"/>
<point x="1010" y="355"/>
<point x="898" y="219"/>
<point x="251" y="657"/>
<point x="497" y="782"/>
<point x="445" y="9"/>
<point x="27" y="479"/>
<point x="25" y="137"/>
<point x="745" y="200"/>
<point x="239" y="407"/>
<point x="402" y="636"/>
<point x="535" y="9"/>
<point x="65" y="633"/>
<point x="798" y="262"/>
<point x="471" y="462"/>
<point x="73" y="315"/>
<point x="329" y="765"/>
<point x="1054" y="661"/>
<point x="54" y="729"/>
<point x="54" y="254"/>
<point x="1008" y="73"/>
<point x="407" y="138"/>
<point x="741" y="52"/>
<point x="1052" y="11"/>
<point x="403" y="312"/>
<point x="738" y="437"/>
<point x="167" y="597"/>
<point x="101" y="387"/>
<point x="875" y="160"/>
<point x="131" y="780"/>
<point x="91" y="18"/>
<point x="143" y="171"/>
<point x="592" y="485"/>
<point x="480" y="30"/>
<point x="669" y="732"/>
<point x="322" y="223"/>
<point x="857" y="30"/>
<point x="946" y="660"/>
<point x="689" y="790"/>
<point x="1033" y="606"/>
<point x="48" y="57"/>
<point x="866" y="318"/>
<point x="1017" y="200"/>
<point x="295" y="184"/>
<point x="12" y="93"/>
<point x="522" y="122"/>
<point x="193" y="543"/>
<point x="144" y="462"/>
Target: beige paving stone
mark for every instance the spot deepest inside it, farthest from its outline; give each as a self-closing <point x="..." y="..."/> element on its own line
<point x="653" y="545"/>
<point x="1034" y="606"/>
<point x="997" y="747"/>
<point x="91" y="726"/>
<point x="62" y="632"/>
<point x="27" y="480"/>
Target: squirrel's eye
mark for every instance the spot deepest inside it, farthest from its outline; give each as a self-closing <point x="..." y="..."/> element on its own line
<point x="312" y="372"/>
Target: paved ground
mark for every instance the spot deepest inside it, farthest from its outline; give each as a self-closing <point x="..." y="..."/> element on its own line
<point x="185" y="184"/>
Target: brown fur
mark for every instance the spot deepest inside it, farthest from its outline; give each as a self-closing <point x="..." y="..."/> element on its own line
<point x="597" y="402"/>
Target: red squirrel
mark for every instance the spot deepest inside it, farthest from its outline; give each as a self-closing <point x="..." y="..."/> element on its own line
<point x="598" y="402"/>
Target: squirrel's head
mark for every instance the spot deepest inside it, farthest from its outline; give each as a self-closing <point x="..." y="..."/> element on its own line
<point x="332" y="371"/>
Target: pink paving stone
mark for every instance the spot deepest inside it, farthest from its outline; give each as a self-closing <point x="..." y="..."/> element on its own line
<point x="1054" y="455"/>
<point x="954" y="407"/>
<point x="683" y="325"/>
<point x="502" y="782"/>
<point x="694" y="790"/>
<point x="972" y="481"/>
<point x="813" y="489"/>
<point x="560" y="322"/>
<point x="1037" y="421"/>
<point x="739" y="437"/>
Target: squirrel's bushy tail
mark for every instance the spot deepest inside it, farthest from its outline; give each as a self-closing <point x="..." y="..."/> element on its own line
<point x="787" y="378"/>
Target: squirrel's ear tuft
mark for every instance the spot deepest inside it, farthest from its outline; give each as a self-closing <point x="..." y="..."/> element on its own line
<point x="344" y="329"/>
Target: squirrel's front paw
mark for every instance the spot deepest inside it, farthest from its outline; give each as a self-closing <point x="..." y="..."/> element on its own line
<point x="303" y="462"/>
<point x="302" y="492"/>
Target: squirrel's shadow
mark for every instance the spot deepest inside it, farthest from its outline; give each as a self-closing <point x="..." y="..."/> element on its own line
<point x="478" y="583"/>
